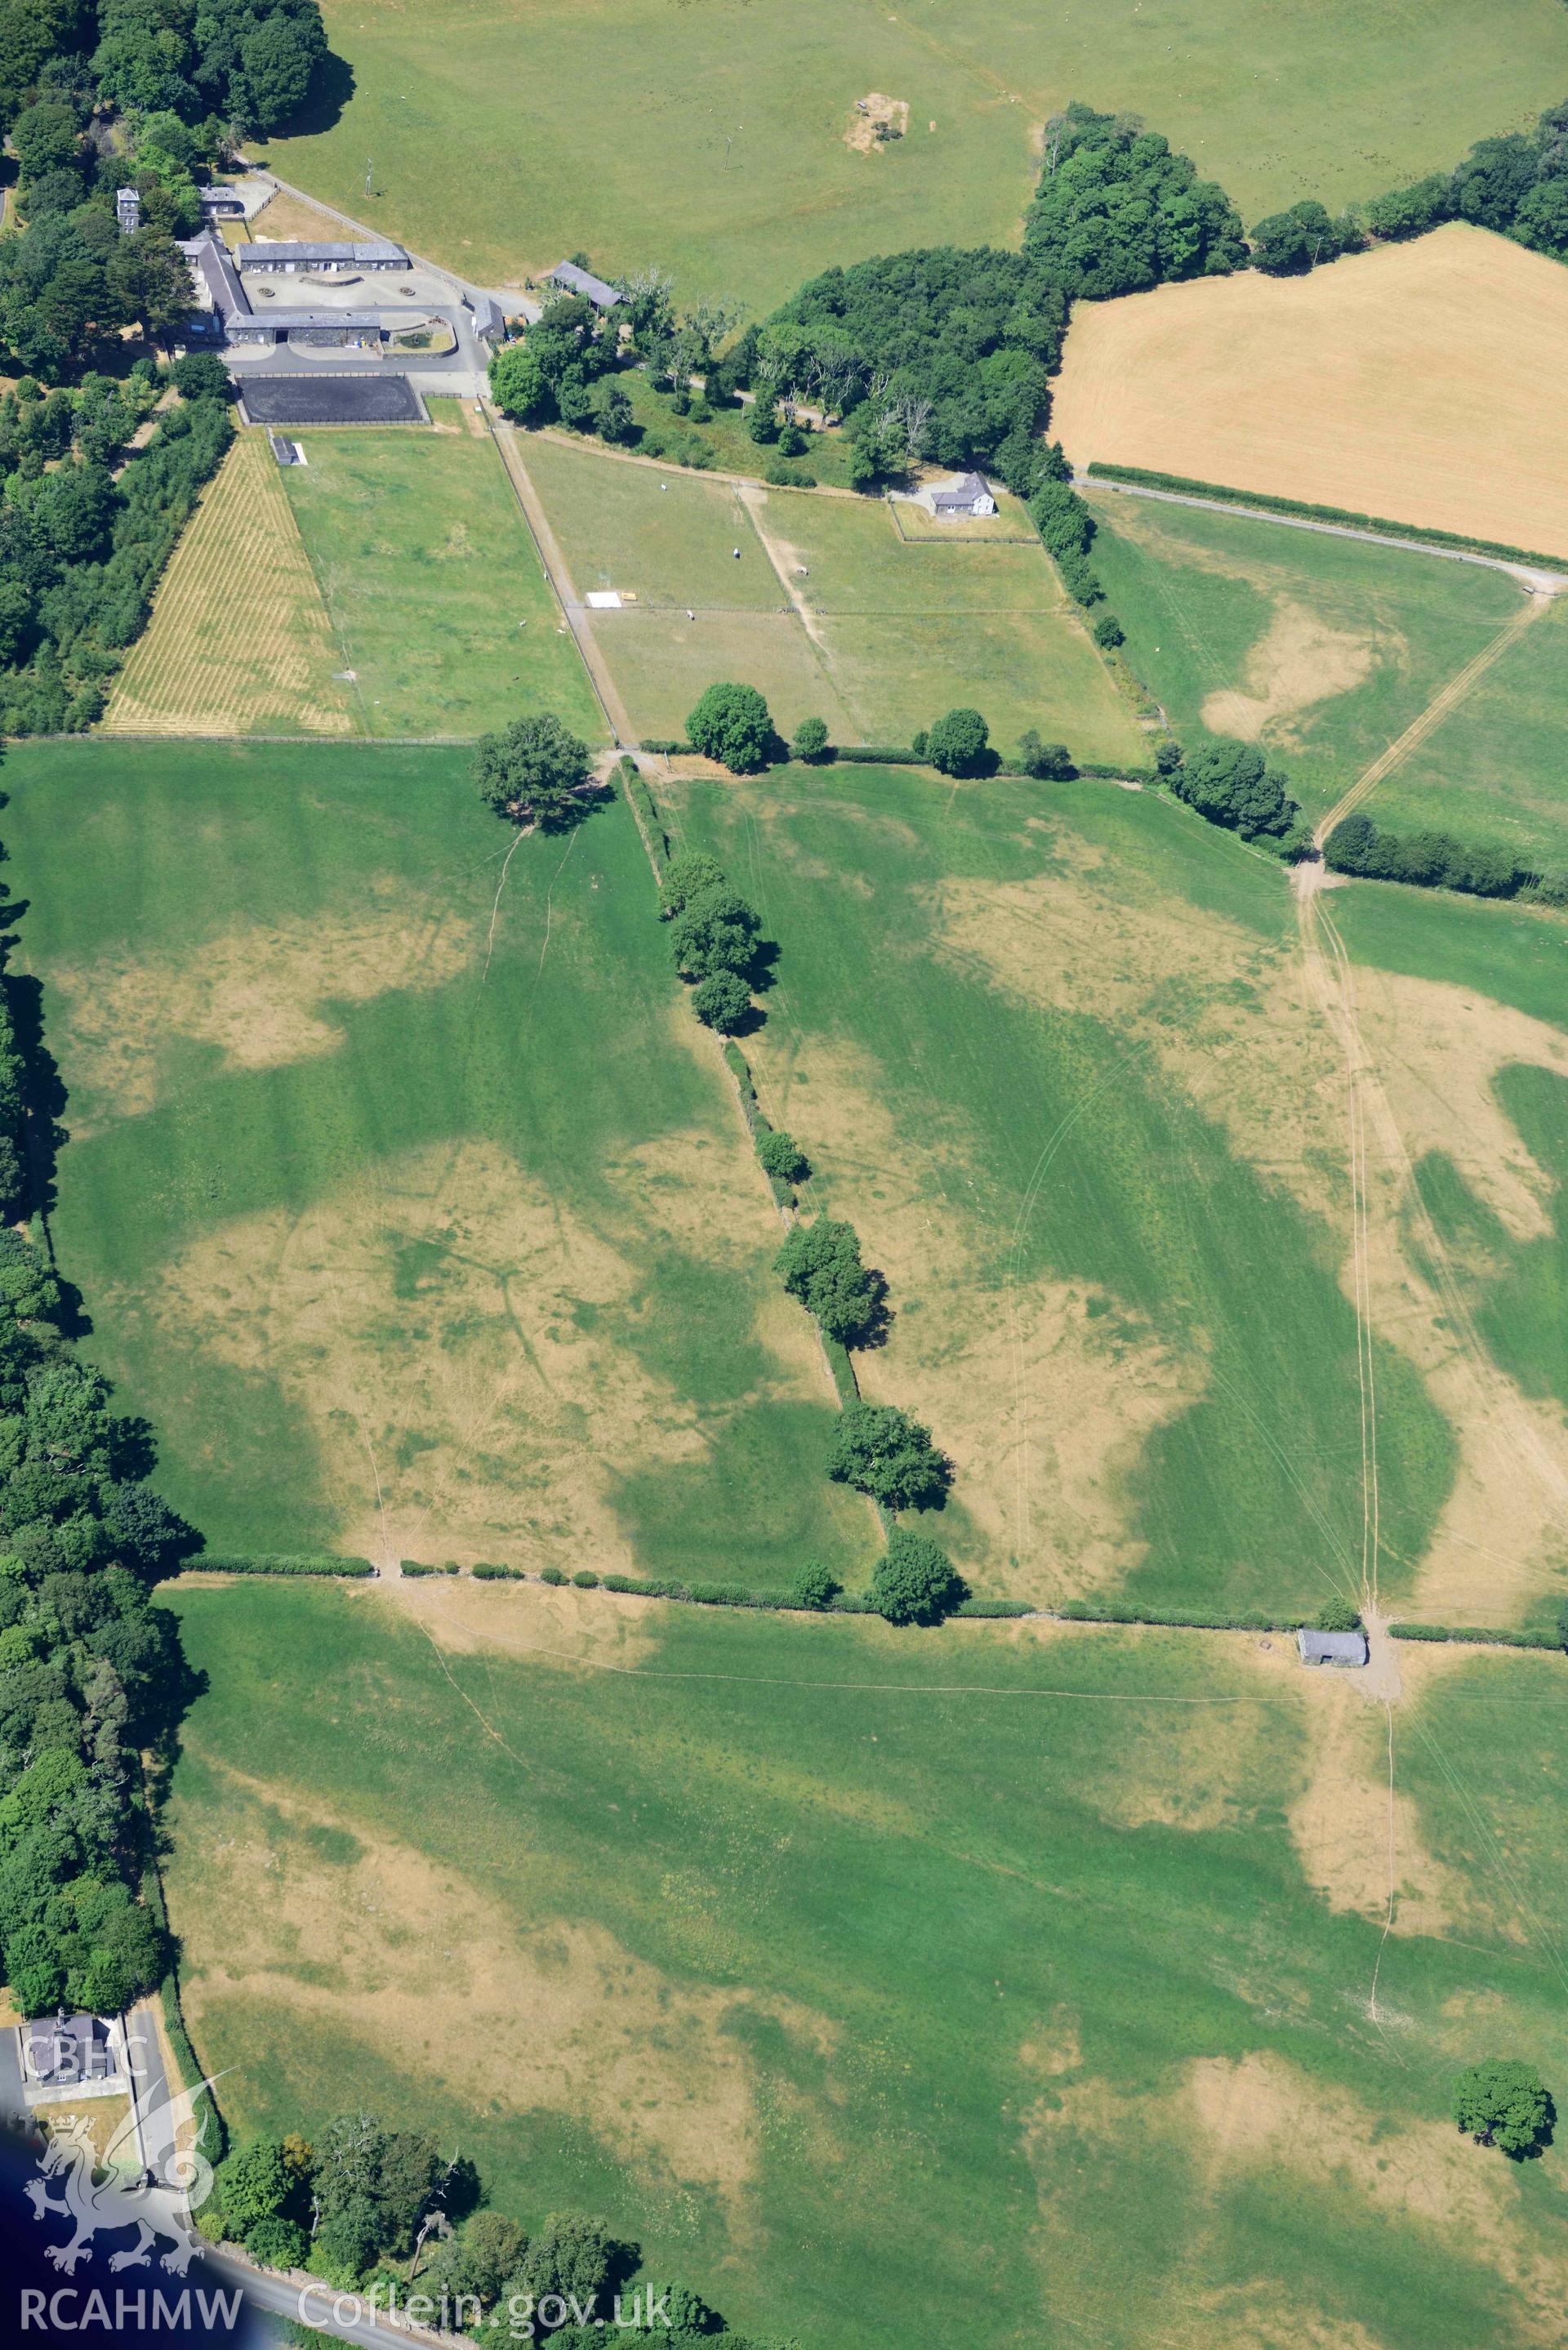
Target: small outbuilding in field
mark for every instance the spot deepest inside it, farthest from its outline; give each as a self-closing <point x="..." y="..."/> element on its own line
<point x="972" y="496"/>
<point x="1330" y="1647"/>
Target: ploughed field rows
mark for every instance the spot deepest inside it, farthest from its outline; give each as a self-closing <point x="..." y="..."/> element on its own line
<point x="1325" y="651"/>
<point x="823" y="606"/>
<point x="239" y="642"/>
<point x="415" y="1210"/>
<point x="1055" y="1052"/>
<point x="763" y="175"/>
<point x="789" y="1945"/>
<point x="1419" y="381"/>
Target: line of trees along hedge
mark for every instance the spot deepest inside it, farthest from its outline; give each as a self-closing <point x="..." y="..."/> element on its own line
<point x="80" y="555"/>
<point x="1187" y="486"/>
<point x="1435" y="860"/>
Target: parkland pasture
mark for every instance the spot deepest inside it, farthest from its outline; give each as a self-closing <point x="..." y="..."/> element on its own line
<point x="239" y="642"/>
<point x="1050" y="1050"/>
<point x="414" y="1210"/>
<point x="827" y="608"/>
<point x="1324" y="650"/>
<point x="756" y="184"/>
<point x="1020" y="1985"/>
<point x="434" y="589"/>
<point x="1418" y="381"/>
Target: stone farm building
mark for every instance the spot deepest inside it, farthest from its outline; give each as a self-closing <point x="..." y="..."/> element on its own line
<point x="1330" y="1647"/>
<point x="223" y="311"/>
<point x="329" y="260"/>
<point x="573" y="280"/>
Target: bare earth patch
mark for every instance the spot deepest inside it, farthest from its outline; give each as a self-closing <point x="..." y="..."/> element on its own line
<point x="1300" y="661"/>
<point x="1371" y="385"/>
<point x="873" y="112"/>
<point x="543" y="2013"/>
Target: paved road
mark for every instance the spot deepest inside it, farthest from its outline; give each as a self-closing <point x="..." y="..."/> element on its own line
<point x="1549" y="583"/>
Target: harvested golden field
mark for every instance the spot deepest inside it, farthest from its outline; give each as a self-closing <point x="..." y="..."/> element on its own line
<point x="239" y="642"/>
<point x="1422" y="381"/>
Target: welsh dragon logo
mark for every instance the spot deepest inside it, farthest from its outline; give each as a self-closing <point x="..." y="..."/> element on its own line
<point x="122" y="2190"/>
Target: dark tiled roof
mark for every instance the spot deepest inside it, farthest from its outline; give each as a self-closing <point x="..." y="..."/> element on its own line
<point x="583" y="281"/>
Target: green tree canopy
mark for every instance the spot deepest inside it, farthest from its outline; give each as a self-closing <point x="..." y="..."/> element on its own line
<point x="782" y="1156"/>
<point x="721" y="1001"/>
<point x="1232" y="784"/>
<point x="731" y="725"/>
<point x="814" y="1586"/>
<point x="534" y="771"/>
<point x="1504" y="2103"/>
<point x="1117" y="211"/>
<point x="809" y="740"/>
<point x="715" y="931"/>
<point x="820" y="1266"/>
<point x="1301" y="238"/>
<point x="914" y="1582"/>
<point x="254" y="2184"/>
<point x="959" y="745"/>
<point x="880" y="1451"/>
<point x="689" y="876"/>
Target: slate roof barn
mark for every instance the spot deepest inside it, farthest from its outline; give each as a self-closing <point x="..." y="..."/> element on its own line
<point x="329" y="257"/>
<point x="1330" y="1647"/>
<point x="970" y="496"/>
<point x="574" y="280"/>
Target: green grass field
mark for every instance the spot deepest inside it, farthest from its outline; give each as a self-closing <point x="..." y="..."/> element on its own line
<point x="412" y="1207"/>
<point x="1003" y="1987"/>
<point x="433" y="586"/>
<point x="1496" y="1222"/>
<point x="1048" y="1049"/>
<point x="1325" y="650"/>
<point x="825" y="606"/>
<point x="710" y="140"/>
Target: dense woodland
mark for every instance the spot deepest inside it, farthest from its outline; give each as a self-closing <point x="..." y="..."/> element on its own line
<point x="81" y="550"/>
<point x="90" y="1670"/>
<point x="144" y="93"/>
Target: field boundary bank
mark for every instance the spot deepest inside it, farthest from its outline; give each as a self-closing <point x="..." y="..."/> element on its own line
<point x="1333" y="522"/>
<point x="650" y="826"/>
<point x="976" y="1609"/>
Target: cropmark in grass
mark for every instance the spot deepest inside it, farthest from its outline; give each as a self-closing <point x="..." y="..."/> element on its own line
<point x="1052" y="1051"/>
<point x="414" y="1208"/>
<point x="1325" y="649"/>
<point x="886" y="1987"/>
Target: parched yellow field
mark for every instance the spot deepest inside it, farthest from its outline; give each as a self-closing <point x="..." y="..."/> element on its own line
<point x="239" y="642"/>
<point x="1423" y="381"/>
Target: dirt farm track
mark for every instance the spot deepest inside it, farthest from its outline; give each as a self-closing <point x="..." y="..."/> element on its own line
<point x="1426" y="382"/>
